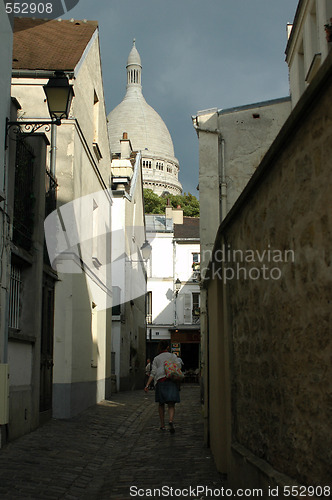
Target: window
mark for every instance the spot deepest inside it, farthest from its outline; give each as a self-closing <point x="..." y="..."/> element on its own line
<point x="195" y="258"/>
<point x="95" y="117"/>
<point x="149" y="308"/>
<point x="159" y="165"/>
<point x="187" y="309"/>
<point x="96" y="127"/>
<point x="196" y="307"/>
<point x="196" y="267"/>
<point x="24" y="196"/>
<point x="95" y="223"/>
<point x="116" y="309"/>
<point x="14" y="297"/>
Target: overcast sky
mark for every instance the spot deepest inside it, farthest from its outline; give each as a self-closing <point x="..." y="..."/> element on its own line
<point x="196" y="54"/>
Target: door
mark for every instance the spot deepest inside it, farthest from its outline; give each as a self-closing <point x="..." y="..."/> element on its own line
<point x="46" y="354"/>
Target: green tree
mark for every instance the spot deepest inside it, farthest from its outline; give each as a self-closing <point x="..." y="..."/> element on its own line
<point x="155" y="204"/>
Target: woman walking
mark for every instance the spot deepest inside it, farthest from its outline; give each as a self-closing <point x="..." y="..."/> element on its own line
<point x="166" y="391"/>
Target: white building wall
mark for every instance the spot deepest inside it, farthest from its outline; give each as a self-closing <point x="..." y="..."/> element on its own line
<point x="232" y="143"/>
<point x="170" y="260"/>
<point x="161" y="261"/>
<point x="129" y="275"/>
<point x="82" y="335"/>
<point x="307" y="46"/>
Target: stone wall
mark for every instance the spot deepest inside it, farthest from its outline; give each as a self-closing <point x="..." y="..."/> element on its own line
<point x="279" y="324"/>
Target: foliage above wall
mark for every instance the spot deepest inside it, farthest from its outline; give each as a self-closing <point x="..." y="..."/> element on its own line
<point x="155" y="204"/>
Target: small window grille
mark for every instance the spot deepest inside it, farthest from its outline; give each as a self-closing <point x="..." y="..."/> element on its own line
<point x="14" y="297"/>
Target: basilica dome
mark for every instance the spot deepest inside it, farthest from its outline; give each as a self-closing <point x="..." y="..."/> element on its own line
<point x="146" y="131"/>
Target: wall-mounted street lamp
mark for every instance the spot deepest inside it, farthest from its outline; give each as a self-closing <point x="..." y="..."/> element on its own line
<point x="177" y="287"/>
<point x="146" y="250"/>
<point x="59" y="95"/>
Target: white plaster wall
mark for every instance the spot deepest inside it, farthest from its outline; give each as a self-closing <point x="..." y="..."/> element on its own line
<point x="161" y="263"/>
<point x="246" y="141"/>
<point x="236" y="141"/>
<point x="209" y="182"/>
<point x="160" y="333"/>
<point x="118" y="245"/>
<point x="129" y="274"/>
<point x="184" y="260"/>
<point x="312" y="38"/>
<point x="162" y="301"/>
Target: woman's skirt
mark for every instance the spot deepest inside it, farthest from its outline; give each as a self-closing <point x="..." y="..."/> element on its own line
<point x="167" y="392"/>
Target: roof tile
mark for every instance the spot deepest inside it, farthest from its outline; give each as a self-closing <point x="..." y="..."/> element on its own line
<point x="50" y="45"/>
<point x="189" y="228"/>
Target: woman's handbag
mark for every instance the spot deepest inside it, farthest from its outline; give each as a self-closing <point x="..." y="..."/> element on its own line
<point x="172" y="370"/>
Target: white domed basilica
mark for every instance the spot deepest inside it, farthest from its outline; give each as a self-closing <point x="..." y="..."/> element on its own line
<point x="147" y="133"/>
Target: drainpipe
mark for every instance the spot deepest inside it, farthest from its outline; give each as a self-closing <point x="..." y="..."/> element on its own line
<point x="222" y="215"/>
<point x="222" y="166"/>
<point x="53" y="150"/>
<point x="223" y="186"/>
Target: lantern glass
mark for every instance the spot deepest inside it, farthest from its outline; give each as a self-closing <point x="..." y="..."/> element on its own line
<point x="146" y="250"/>
<point x="59" y="95"/>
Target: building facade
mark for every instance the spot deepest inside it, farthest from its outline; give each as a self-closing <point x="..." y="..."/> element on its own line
<point x="147" y="131"/>
<point x="232" y="142"/>
<point x="78" y="234"/>
<point x="173" y="298"/>
<point x="6" y="36"/>
<point x="128" y="271"/>
<point x="268" y="336"/>
<point x="308" y="43"/>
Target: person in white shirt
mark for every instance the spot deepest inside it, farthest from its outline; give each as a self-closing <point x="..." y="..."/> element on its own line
<point x="166" y="391"/>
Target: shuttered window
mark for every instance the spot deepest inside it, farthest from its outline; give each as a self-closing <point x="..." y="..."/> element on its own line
<point x="187" y="309"/>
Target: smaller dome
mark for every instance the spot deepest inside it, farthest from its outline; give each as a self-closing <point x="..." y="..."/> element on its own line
<point x="134" y="57"/>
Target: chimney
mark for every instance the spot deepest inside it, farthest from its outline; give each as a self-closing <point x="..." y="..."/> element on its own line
<point x="126" y="148"/>
<point x="175" y="213"/>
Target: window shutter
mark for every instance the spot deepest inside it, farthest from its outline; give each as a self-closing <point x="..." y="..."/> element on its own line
<point x="187" y="309"/>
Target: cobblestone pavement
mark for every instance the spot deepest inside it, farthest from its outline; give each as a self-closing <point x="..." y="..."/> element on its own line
<point x="107" y="449"/>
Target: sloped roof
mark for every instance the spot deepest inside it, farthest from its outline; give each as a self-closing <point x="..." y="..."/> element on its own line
<point x="189" y="229"/>
<point x="50" y="45"/>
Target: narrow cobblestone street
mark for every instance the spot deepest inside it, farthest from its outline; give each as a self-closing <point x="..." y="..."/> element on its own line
<point x="107" y="449"/>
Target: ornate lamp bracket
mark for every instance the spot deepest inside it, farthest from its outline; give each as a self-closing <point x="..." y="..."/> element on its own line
<point x="26" y="128"/>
